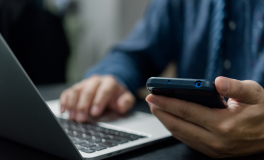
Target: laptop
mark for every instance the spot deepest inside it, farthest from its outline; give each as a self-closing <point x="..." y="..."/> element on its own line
<point x="26" y="118"/>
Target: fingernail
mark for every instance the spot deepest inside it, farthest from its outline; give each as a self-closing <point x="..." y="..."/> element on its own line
<point x="95" y="110"/>
<point x="224" y="85"/>
<point x="81" y="116"/>
<point x="151" y="100"/>
<point x="72" y="114"/>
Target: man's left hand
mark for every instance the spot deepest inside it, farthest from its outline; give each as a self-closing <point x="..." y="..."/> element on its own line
<point x="237" y="130"/>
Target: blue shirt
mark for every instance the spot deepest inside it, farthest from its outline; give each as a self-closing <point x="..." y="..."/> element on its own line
<point x="179" y="31"/>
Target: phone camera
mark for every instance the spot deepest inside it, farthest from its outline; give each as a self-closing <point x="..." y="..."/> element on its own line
<point x="198" y="84"/>
<point x="169" y="81"/>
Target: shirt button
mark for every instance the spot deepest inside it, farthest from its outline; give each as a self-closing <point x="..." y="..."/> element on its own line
<point x="227" y="64"/>
<point x="232" y="25"/>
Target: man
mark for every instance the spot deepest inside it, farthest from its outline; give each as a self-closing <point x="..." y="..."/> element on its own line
<point x="206" y="38"/>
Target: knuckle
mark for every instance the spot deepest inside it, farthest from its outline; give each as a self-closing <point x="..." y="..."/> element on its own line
<point x="74" y="90"/>
<point x="238" y="89"/>
<point x="106" y="91"/>
<point x="184" y="111"/>
<point x="90" y="80"/>
<point x="87" y="92"/>
<point x="115" y="85"/>
<point x="256" y="91"/>
<point x="111" y="79"/>
<point x="225" y="128"/>
<point x="174" y="128"/>
<point x="88" y="97"/>
<point x="81" y="107"/>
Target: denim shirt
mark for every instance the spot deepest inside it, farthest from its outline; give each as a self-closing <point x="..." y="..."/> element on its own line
<point x="179" y="31"/>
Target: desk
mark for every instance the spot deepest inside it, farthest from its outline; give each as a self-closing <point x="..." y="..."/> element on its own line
<point x="169" y="149"/>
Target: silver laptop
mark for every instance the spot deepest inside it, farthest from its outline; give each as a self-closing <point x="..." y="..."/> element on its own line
<point x="27" y="119"/>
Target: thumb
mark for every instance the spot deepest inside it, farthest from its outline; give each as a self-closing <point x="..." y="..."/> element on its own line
<point x="243" y="91"/>
<point x="125" y="102"/>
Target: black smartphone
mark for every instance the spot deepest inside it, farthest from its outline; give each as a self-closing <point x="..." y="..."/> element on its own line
<point x="194" y="90"/>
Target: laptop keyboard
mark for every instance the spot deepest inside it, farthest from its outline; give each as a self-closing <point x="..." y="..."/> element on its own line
<point x="90" y="138"/>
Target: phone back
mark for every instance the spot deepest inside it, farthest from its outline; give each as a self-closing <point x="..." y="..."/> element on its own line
<point x="194" y="90"/>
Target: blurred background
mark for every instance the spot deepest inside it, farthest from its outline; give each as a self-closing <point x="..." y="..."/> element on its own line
<point x="57" y="41"/>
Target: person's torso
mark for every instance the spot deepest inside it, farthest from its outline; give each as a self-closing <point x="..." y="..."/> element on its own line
<point x="241" y="46"/>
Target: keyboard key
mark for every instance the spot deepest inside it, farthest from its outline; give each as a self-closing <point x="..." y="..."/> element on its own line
<point x="87" y="145"/>
<point x="119" y="140"/>
<point x="108" y="137"/>
<point x="98" y="148"/>
<point x="133" y="137"/>
<point x="88" y="126"/>
<point x="88" y="150"/>
<point x="112" y="132"/>
<point x="77" y="140"/>
<point x="84" y="136"/>
<point x="73" y="133"/>
<point x="79" y="147"/>
<point x="106" y="131"/>
<point x="74" y="139"/>
<point x="95" y="139"/>
<point x="108" y="144"/>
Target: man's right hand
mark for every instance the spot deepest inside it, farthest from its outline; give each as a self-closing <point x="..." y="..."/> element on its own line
<point x="91" y="97"/>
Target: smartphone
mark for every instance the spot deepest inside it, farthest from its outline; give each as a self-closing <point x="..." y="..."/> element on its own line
<point x="193" y="90"/>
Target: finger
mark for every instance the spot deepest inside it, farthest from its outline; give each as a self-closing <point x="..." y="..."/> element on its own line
<point x="243" y="91"/>
<point x="125" y="102"/>
<point x="72" y="114"/>
<point x="189" y="111"/>
<point x="181" y="128"/>
<point x="63" y="101"/>
<point x="73" y="95"/>
<point x="107" y="89"/>
<point x="86" y="97"/>
<point x="72" y="99"/>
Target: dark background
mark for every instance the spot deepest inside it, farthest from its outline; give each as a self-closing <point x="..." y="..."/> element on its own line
<point x="37" y="38"/>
